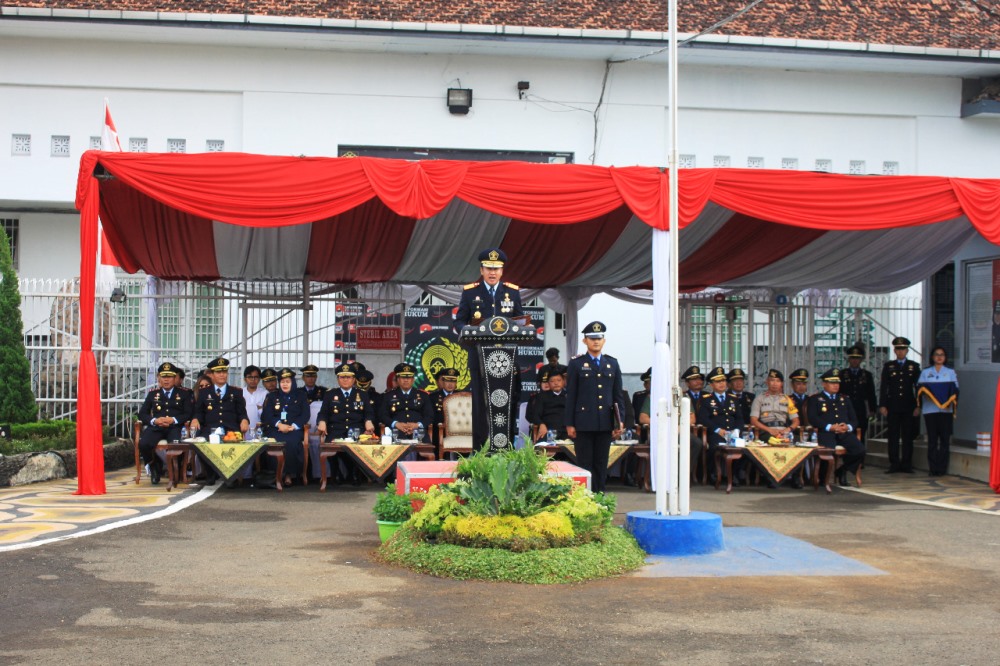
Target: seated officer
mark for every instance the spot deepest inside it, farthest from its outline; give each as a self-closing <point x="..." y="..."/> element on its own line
<point x="344" y="408"/>
<point x="719" y="412"/>
<point x="737" y="380"/>
<point x="447" y="382"/>
<point x="550" y="406"/>
<point x="163" y="413"/>
<point x="773" y="414"/>
<point x="832" y="414"/>
<point x="405" y="408"/>
<point x="639" y="397"/>
<point x="531" y="409"/>
<point x="269" y="378"/>
<point x="219" y="406"/>
<point x="284" y="416"/>
<point x="312" y="391"/>
<point x="363" y="379"/>
<point x="800" y="394"/>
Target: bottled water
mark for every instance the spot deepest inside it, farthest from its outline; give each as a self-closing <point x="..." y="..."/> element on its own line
<point x="812" y="437"/>
<point x="184" y="432"/>
<point x="550" y="437"/>
<point x="258" y="433"/>
<point x="418" y="433"/>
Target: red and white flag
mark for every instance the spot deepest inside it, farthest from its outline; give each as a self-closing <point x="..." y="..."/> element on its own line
<point x="109" y="142"/>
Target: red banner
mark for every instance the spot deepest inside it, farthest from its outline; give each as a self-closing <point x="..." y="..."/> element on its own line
<point x="378" y="337"/>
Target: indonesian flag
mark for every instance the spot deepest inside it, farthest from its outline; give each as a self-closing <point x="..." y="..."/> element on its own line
<point x="109" y="142"/>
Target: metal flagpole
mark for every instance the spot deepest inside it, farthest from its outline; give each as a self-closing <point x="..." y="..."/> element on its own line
<point x="675" y="393"/>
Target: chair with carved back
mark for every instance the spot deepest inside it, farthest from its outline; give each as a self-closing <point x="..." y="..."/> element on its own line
<point x="456" y="431"/>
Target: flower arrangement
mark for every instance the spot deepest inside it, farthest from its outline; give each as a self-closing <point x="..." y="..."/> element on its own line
<point x="392" y="508"/>
<point x="505" y="501"/>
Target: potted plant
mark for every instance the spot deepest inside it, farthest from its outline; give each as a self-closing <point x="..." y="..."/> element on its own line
<point x="391" y="511"/>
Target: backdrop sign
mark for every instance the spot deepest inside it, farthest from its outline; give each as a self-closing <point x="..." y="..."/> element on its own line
<point x="378" y="337"/>
<point x="432" y="344"/>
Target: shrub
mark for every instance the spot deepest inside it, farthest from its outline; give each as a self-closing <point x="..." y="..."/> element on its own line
<point x="391" y="507"/>
<point x="507" y="483"/>
<point x="438" y="505"/>
<point x="514" y="533"/>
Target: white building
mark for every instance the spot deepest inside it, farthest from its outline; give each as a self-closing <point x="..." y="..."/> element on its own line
<point x="825" y="93"/>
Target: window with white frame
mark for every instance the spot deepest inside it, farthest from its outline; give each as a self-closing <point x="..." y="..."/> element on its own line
<point x="10" y="225"/>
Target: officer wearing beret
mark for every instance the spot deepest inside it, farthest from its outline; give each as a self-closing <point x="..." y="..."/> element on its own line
<point x="447" y="382"/>
<point x="220" y="406"/>
<point x="595" y="405"/>
<point x="898" y="402"/>
<point x="487" y="298"/>
<point x="859" y="386"/>
<point x="800" y="394"/>
<point x="164" y="411"/>
<point x="404" y="407"/>
<point x="832" y="414"/>
<point x="737" y="380"/>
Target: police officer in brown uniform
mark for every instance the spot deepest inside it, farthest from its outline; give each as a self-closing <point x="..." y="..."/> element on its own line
<point x="898" y="402"/>
<point x="859" y="386"/>
<point x="832" y="414"/>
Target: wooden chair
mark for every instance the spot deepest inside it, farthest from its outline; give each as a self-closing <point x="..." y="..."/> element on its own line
<point x="136" y="433"/>
<point x="456" y="433"/>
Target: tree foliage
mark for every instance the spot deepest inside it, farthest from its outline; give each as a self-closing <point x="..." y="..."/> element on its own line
<point x="17" y="402"/>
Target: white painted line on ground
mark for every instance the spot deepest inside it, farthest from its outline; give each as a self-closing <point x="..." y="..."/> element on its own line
<point x="180" y="505"/>
<point x="939" y="505"/>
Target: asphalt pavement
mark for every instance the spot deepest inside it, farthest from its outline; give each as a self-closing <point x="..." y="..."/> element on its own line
<point x="254" y="576"/>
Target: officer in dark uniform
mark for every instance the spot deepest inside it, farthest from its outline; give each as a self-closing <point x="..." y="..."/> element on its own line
<point x="550" y="406"/>
<point x="284" y="416"/>
<point x="364" y="379"/>
<point x="719" y="412"/>
<point x="859" y="386"/>
<point x="480" y="300"/>
<point x="737" y="380"/>
<point x="164" y="411"/>
<point x="898" y="402"/>
<point x="800" y="394"/>
<point x="489" y="296"/>
<point x="639" y="397"/>
<point x="219" y="406"/>
<point x="832" y="414"/>
<point x="405" y="407"/>
<point x="531" y="409"/>
<point x="269" y="378"/>
<point x="595" y="406"/>
<point x="447" y="382"/>
<point x="312" y="391"/>
<point x="344" y="408"/>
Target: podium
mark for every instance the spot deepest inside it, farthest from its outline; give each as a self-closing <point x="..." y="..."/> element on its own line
<point x="496" y="376"/>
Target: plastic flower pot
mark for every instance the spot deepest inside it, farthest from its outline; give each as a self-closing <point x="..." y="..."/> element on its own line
<point x="386" y="528"/>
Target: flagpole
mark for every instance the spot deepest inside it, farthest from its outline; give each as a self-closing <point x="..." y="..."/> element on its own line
<point x="677" y="419"/>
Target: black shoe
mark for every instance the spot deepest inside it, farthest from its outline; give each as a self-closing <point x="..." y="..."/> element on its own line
<point x="797" y="484"/>
<point x="154" y="474"/>
<point x="891" y="470"/>
<point x="842" y="479"/>
<point x="772" y="485"/>
<point x="210" y="479"/>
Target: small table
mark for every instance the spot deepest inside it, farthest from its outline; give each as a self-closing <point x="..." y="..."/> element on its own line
<point x="729" y="454"/>
<point x="329" y="449"/>
<point x="176" y="454"/>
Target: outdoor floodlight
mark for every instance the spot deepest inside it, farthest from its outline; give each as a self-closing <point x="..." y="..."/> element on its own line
<point x="459" y="100"/>
<point x="118" y="295"/>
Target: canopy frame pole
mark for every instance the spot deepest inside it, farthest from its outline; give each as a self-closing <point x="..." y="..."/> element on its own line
<point x="306" y="309"/>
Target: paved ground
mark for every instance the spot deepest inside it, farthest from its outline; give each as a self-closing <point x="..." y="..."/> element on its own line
<point x="259" y="577"/>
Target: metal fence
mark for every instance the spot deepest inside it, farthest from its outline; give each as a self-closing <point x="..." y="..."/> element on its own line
<point x="264" y="324"/>
<point x="813" y="333"/>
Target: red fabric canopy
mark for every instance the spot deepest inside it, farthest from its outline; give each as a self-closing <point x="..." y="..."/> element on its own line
<point x="159" y="212"/>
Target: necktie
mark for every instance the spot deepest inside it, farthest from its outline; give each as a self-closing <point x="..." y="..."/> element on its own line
<point x="493" y="292"/>
<point x="218" y="392"/>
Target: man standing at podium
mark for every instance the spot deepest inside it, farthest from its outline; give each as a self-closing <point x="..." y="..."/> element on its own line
<point x="488" y="297"/>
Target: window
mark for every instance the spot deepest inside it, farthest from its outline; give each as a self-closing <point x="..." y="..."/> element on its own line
<point x="943" y="309"/>
<point x="95" y="143"/>
<point x="20" y="145"/>
<point x="11" y="227"/>
<point x="686" y="161"/>
<point x="720" y="161"/>
<point x="857" y="168"/>
<point x="176" y="145"/>
<point x="755" y="162"/>
<point x="138" y="144"/>
<point x="825" y="166"/>
<point x="890" y="169"/>
<point x="215" y="146"/>
<point x="789" y="163"/>
<point x="60" y="146"/>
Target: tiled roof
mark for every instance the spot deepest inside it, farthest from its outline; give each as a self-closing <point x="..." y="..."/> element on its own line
<point x="962" y="24"/>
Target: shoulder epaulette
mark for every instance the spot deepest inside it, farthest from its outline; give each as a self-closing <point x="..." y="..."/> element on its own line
<point x="511" y="285"/>
<point x="471" y="285"/>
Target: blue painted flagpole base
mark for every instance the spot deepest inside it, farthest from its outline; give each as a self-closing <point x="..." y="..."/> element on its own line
<point x="697" y="533"/>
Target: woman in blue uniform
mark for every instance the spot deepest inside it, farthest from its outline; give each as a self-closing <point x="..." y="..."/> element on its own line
<point x="284" y="415"/>
<point x="938" y="396"/>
